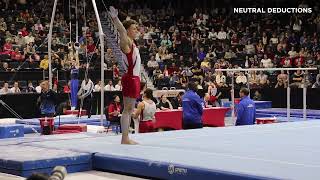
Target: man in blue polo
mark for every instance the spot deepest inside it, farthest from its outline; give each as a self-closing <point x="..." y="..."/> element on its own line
<point x="192" y="106"/>
<point x="246" y="110"/>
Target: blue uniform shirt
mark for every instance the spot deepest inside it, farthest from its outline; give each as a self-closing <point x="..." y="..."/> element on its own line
<point x="192" y="106"/>
<point x="246" y="112"/>
<point x="48" y="102"/>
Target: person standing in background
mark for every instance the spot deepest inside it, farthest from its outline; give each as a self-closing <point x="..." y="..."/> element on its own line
<point x="246" y="110"/>
<point x="47" y="100"/>
<point x="85" y="96"/>
<point x="192" y="106"/>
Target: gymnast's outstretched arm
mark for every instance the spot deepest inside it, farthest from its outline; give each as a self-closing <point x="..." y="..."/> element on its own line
<point x="125" y="44"/>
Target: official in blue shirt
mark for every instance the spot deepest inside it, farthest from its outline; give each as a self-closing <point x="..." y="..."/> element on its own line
<point x="246" y="110"/>
<point x="47" y="100"/>
<point x="192" y="106"/>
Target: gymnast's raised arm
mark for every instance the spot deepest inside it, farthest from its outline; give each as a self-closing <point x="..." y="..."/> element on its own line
<point x="125" y="43"/>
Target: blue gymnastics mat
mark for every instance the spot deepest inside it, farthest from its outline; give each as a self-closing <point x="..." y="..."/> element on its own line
<point x="283" y="111"/>
<point x="67" y="120"/>
<point x="24" y="160"/>
<point x="272" y="151"/>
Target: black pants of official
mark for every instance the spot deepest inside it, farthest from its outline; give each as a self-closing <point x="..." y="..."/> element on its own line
<point x="192" y="126"/>
<point x="87" y="105"/>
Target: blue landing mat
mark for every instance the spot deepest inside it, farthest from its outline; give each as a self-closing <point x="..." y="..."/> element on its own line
<point x="28" y="129"/>
<point x="69" y="120"/>
<point x="25" y="160"/>
<point x="259" y="104"/>
<point x="49" y="139"/>
<point x="283" y="111"/>
<point x="273" y="151"/>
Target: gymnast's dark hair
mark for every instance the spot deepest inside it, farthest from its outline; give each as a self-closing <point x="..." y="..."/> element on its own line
<point x="192" y="86"/>
<point x="148" y="93"/>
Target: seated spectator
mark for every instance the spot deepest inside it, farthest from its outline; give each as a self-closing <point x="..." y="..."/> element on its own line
<point x="257" y="96"/>
<point x="206" y="100"/>
<point x="266" y="62"/>
<point x="91" y="47"/>
<point x="115" y="71"/>
<point x="5" y="89"/>
<point x="146" y="111"/>
<point x="38" y="26"/>
<point x="281" y="84"/>
<point x="297" y="79"/>
<point x="164" y="103"/>
<point x="3" y="25"/>
<point x="214" y="94"/>
<point x="152" y="65"/>
<point x="286" y="62"/>
<point x="211" y="54"/>
<point x="97" y="87"/>
<point x="282" y="76"/>
<point x="115" y="109"/>
<point x="263" y="79"/>
<point x="274" y="39"/>
<point x="174" y="80"/>
<point x="221" y="79"/>
<point x="29" y="38"/>
<point x="30" y="88"/>
<point x="5" y="67"/>
<point x="253" y="79"/>
<point x="44" y="63"/>
<point x="17" y="56"/>
<point x="24" y="31"/>
<point x="19" y="40"/>
<point x="7" y="47"/>
<point x="15" y="88"/>
<point x="197" y="73"/>
<point x="292" y="53"/>
<point x="201" y="54"/>
<point x="298" y="61"/>
<point x="166" y="42"/>
<point x="241" y="80"/>
<point x="177" y="101"/>
<point x="249" y="48"/>
<point x="205" y="65"/>
<point x="109" y="86"/>
<point x="222" y="35"/>
<point x="118" y="86"/>
<point x="317" y="83"/>
<point x="229" y="55"/>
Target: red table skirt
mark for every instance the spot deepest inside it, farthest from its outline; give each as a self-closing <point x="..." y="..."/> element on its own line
<point x="266" y="120"/>
<point x="76" y="112"/>
<point x="213" y="117"/>
<point x="168" y="119"/>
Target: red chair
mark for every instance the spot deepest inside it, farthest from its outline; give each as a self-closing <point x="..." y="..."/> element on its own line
<point x="266" y="120"/>
<point x="168" y="119"/>
<point x="47" y="125"/>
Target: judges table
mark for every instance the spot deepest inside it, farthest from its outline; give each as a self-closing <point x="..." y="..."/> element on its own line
<point x="213" y="117"/>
